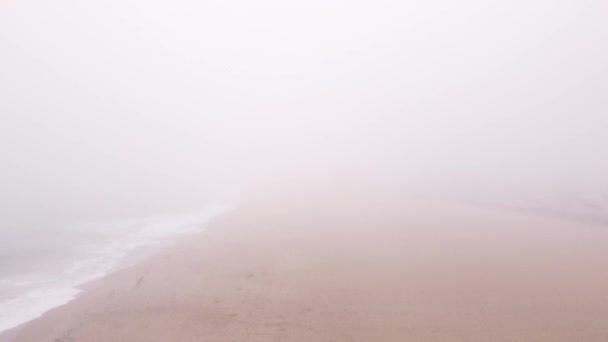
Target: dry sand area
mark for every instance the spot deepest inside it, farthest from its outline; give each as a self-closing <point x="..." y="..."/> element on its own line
<point x="315" y="267"/>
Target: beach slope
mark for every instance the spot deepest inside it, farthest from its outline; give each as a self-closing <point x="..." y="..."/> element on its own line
<point x="356" y="267"/>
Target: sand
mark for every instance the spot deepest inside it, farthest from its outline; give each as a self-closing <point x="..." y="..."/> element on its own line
<point x="358" y="267"/>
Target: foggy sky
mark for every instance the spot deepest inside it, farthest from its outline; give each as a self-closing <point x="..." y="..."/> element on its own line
<point x="129" y="107"/>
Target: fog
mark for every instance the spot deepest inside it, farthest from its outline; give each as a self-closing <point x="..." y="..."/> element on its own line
<point x="131" y="107"/>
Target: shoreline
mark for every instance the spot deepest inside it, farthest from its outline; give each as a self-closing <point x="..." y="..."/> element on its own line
<point x="59" y="289"/>
<point x="342" y="268"/>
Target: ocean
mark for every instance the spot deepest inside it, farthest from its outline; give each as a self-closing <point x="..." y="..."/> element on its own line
<point x="43" y="268"/>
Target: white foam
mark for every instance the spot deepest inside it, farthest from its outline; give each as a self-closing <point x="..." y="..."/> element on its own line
<point x="28" y="296"/>
<point x="33" y="304"/>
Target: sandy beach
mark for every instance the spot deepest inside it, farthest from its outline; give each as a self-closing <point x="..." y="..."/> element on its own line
<point x="357" y="267"/>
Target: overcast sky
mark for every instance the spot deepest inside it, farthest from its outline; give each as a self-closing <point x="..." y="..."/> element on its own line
<point x="146" y="106"/>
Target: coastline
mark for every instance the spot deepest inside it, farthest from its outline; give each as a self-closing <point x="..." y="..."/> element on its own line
<point x="127" y="243"/>
<point x="353" y="268"/>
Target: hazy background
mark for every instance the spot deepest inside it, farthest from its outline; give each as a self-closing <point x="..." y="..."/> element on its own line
<point x="121" y="108"/>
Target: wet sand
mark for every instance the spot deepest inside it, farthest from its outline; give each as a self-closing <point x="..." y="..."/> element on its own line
<point x="357" y="267"/>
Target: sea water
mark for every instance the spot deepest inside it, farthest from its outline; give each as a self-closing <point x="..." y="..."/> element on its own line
<point x="43" y="268"/>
